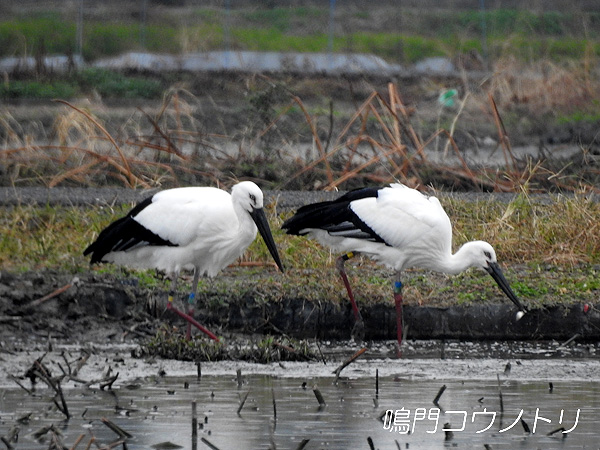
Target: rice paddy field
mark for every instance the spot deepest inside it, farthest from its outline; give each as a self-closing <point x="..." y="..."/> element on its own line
<point x="508" y="141"/>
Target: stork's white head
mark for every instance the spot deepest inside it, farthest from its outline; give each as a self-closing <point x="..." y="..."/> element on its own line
<point x="248" y="195"/>
<point x="479" y="254"/>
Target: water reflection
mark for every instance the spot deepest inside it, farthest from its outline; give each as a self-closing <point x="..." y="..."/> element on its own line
<point x="158" y="410"/>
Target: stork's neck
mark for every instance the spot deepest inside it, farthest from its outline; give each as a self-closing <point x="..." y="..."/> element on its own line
<point x="245" y="223"/>
<point x="455" y="263"/>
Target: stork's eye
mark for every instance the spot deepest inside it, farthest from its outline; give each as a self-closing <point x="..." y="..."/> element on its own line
<point x="487" y="254"/>
<point x="253" y="198"/>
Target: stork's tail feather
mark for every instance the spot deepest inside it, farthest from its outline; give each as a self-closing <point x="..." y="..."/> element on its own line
<point x="124" y="234"/>
<point x="109" y="239"/>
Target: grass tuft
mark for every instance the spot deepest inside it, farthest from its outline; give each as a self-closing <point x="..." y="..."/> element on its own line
<point x="170" y="343"/>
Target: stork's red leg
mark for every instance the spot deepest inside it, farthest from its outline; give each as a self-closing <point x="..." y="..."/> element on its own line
<point x="188" y="317"/>
<point x="359" y="327"/>
<point x="192" y="321"/>
<point x="399" y="318"/>
<point x="192" y="303"/>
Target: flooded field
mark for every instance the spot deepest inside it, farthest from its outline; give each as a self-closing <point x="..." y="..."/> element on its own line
<point x="544" y="388"/>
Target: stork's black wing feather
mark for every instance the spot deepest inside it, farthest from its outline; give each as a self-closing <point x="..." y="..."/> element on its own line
<point x="124" y="234"/>
<point x="335" y="216"/>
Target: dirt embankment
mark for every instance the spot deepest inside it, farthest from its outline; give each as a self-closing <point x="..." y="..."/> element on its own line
<point x="92" y="307"/>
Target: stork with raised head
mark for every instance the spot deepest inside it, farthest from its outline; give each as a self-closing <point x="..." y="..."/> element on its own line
<point x="197" y="228"/>
<point x="396" y="226"/>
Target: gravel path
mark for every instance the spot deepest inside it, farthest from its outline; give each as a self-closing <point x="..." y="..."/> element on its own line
<point x="286" y="200"/>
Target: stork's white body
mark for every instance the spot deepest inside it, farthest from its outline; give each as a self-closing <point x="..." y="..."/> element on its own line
<point x="416" y="230"/>
<point x="209" y="230"/>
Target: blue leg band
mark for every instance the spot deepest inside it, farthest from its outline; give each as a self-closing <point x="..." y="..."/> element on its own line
<point x="397" y="287"/>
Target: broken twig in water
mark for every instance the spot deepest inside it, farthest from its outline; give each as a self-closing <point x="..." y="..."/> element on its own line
<point x="376" y="399"/>
<point x="7" y="443"/>
<point x="109" y="382"/>
<point x="194" y="420"/>
<point x="209" y="444"/>
<point x="526" y="428"/>
<point x="568" y="341"/>
<point x="77" y="441"/>
<point x="321" y="353"/>
<point x="91" y="441"/>
<point x="81" y="362"/>
<point x="302" y="444"/>
<point x="558" y="430"/>
<point x="319" y="397"/>
<point x="439" y="395"/>
<point x="43" y="431"/>
<point x="348" y="362"/>
<point x="55" y="440"/>
<point x="44" y="374"/>
<point x="448" y="433"/>
<point x="500" y="394"/>
<point x="274" y="408"/>
<point x="370" y="442"/>
<point x="12" y="377"/>
<point x="116" y="428"/>
<point x="242" y="402"/>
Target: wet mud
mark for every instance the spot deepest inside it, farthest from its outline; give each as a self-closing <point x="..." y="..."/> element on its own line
<point x="101" y="307"/>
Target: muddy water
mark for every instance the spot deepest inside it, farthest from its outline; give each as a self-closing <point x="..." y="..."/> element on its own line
<point x="157" y="410"/>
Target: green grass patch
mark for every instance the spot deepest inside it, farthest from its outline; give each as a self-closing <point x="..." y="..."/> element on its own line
<point x="580" y="117"/>
<point x="281" y="19"/>
<point x="53" y="237"/>
<point x="116" y="85"/>
<point x="46" y="33"/>
<point x="38" y="89"/>
<point x="106" y="83"/>
<point x="532" y="36"/>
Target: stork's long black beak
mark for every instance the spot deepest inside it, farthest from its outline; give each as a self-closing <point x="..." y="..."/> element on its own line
<point x="496" y="272"/>
<point x="260" y="219"/>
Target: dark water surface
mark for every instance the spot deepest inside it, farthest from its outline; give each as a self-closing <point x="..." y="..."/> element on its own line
<point x="157" y="410"/>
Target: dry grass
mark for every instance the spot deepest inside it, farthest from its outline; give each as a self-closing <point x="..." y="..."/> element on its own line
<point x="561" y="230"/>
<point x="81" y="151"/>
<point x="377" y="145"/>
<point x="544" y="87"/>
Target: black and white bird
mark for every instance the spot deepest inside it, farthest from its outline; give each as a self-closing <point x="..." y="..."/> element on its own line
<point x="398" y="227"/>
<point x="197" y="228"/>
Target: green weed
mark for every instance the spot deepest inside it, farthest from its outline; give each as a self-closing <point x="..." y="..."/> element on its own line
<point x="37" y="89"/>
<point x="547" y="34"/>
<point x="111" y="84"/>
<point x="525" y="289"/>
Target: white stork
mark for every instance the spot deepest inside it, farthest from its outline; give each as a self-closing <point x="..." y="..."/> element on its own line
<point x="398" y="227"/>
<point x="199" y="228"/>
